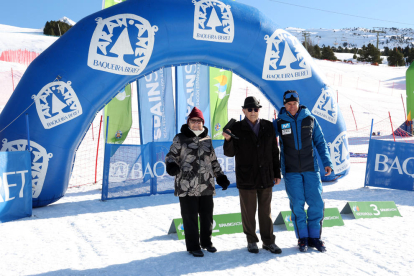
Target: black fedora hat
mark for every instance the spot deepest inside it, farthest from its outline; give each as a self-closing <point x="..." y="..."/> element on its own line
<point x="251" y="102"/>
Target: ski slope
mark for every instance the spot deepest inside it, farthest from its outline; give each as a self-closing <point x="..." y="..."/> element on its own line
<point x="81" y="235"/>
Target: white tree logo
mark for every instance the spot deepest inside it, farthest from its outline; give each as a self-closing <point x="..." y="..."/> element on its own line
<point x="339" y="153"/>
<point x="326" y="107"/>
<point x="285" y="58"/>
<point x="57" y="104"/>
<point x="118" y="172"/>
<point x="122" y="44"/>
<point x="213" y="21"/>
<point x="40" y="161"/>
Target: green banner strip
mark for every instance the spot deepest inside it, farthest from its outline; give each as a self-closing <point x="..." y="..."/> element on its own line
<point x="222" y="224"/>
<point x="109" y="3"/>
<point x="371" y="209"/>
<point x="119" y="111"/>
<point x="331" y="218"/>
<point x="220" y="87"/>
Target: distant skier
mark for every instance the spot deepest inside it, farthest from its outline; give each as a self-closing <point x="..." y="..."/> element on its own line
<point x="300" y="136"/>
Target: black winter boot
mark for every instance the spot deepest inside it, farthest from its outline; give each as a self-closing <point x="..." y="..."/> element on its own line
<point x="303" y="244"/>
<point x="317" y="243"/>
<point x="197" y="253"/>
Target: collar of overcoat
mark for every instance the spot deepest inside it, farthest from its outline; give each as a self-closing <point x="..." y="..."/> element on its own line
<point x="246" y="127"/>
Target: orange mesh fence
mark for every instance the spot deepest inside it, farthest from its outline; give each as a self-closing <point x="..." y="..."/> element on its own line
<point x="19" y="56"/>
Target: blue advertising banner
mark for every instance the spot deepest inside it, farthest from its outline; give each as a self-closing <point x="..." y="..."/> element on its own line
<point x="139" y="170"/>
<point x="15" y="185"/>
<point x="192" y="91"/>
<point x="390" y="165"/>
<point x="156" y="104"/>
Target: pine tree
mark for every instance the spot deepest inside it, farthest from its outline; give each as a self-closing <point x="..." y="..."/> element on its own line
<point x="317" y="51"/>
<point x="328" y="54"/>
<point x="406" y="51"/>
<point x="410" y="57"/>
<point x="396" y="58"/>
<point x="310" y="49"/>
<point x="52" y="28"/>
<point x="370" y="54"/>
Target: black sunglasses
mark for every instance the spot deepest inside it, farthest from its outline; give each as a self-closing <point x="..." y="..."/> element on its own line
<point x="251" y="109"/>
<point x="196" y="121"/>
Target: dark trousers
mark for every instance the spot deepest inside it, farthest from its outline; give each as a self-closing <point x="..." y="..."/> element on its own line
<point x="191" y="207"/>
<point x="249" y="199"/>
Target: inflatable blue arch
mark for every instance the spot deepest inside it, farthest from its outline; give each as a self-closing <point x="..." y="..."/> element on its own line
<point x="64" y="88"/>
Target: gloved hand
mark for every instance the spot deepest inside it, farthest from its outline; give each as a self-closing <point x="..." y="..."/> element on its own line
<point x="172" y="168"/>
<point x="223" y="181"/>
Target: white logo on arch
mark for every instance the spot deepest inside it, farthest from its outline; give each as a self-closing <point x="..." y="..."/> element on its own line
<point x="326" y="107"/>
<point x="339" y="153"/>
<point x="40" y="161"/>
<point x="285" y="58"/>
<point x="118" y="172"/>
<point x="57" y="104"/>
<point x="213" y="21"/>
<point x="122" y="44"/>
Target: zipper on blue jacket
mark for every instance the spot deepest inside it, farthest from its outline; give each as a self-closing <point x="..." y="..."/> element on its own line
<point x="297" y="136"/>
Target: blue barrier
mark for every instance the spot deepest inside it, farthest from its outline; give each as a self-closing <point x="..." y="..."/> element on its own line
<point x="390" y="165"/>
<point x="135" y="170"/>
<point x="15" y="185"/>
<point x="64" y="88"/>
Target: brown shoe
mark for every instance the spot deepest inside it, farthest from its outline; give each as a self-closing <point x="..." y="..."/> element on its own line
<point x="272" y="248"/>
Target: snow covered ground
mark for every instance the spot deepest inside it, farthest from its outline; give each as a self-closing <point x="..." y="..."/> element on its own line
<point x="81" y="235"/>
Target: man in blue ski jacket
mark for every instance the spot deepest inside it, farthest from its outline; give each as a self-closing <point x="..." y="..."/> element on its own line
<point x="299" y="137"/>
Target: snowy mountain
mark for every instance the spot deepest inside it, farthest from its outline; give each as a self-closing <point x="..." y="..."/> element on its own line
<point x="356" y="37"/>
<point x="347" y="37"/>
<point x="67" y="21"/>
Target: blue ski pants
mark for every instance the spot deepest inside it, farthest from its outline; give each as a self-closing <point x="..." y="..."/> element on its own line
<point x="301" y="188"/>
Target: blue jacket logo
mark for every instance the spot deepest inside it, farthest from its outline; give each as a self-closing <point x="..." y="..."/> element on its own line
<point x="286" y="126"/>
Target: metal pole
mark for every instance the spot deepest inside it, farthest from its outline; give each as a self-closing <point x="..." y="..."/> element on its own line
<point x="405" y="114"/>
<point x="97" y="149"/>
<point x="354" y="118"/>
<point x="370" y="136"/>
<point x="372" y="125"/>
<point x="392" y="129"/>
<point x="12" y="78"/>
<point x="28" y="132"/>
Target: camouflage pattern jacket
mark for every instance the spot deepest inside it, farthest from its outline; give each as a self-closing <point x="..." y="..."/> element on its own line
<point x="197" y="161"/>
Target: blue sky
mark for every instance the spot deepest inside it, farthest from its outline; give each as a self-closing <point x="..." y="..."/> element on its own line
<point x="35" y="13"/>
